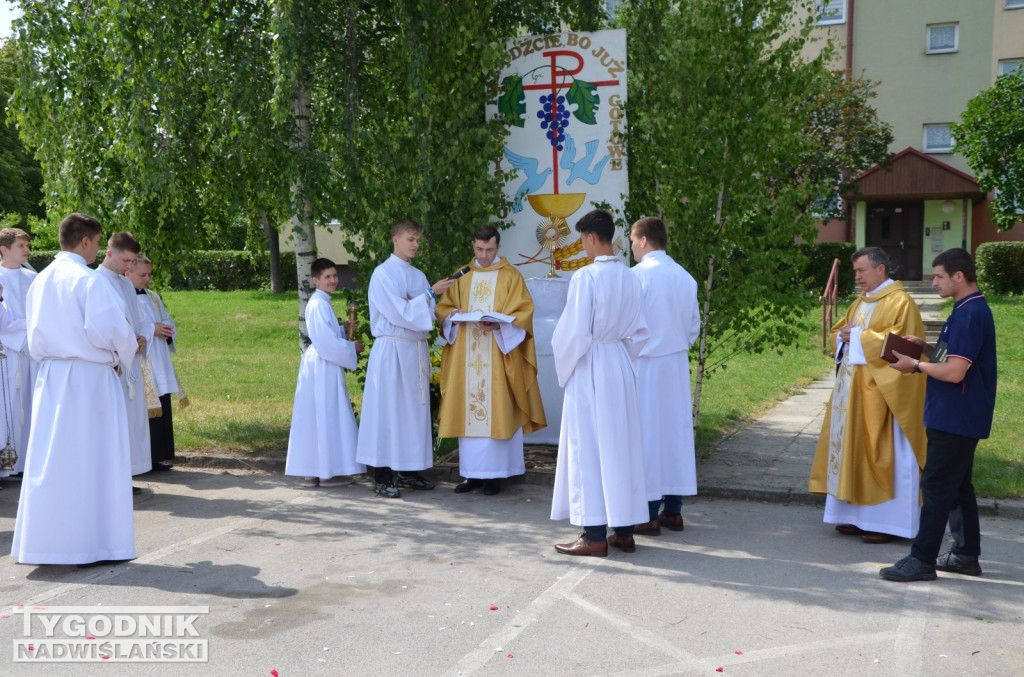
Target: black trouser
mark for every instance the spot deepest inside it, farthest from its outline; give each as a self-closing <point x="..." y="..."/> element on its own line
<point x="383" y="474"/>
<point x="947" y="491"/>
<point x="161" y="433"/>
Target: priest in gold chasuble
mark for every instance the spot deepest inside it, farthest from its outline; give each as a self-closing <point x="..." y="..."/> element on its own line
<point x="872" y="444"/>
<point x="489" y="391"/>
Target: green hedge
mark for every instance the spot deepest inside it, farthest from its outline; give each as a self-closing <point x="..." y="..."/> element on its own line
<point x="1001" y="267"/>
<point x="223" y="270"/>
<point x="228" y="270"/>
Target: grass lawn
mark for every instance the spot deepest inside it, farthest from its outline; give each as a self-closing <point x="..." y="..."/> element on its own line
<point x="999" y="460"/>
<point x="750" y="385"/>
<point x="238" y="359"/>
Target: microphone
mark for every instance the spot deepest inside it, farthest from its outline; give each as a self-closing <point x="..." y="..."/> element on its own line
<point x="460" y="273"/>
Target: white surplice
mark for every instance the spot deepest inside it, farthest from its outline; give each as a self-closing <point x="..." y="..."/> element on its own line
<point x="394" y="428"/>
<point x="21" y="369"/>
<point x="663" y="375"/>
<point x="76" y="495"/>
<point x="131" y="378"/>
<point x="151" y="307"/>
<point x="322" y="440"/>
<point x="599" y="478"/>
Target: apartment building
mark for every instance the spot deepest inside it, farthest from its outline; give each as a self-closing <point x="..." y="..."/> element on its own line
<point x="930" y="58"/>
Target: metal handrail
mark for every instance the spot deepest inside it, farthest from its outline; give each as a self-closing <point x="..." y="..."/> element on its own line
<point x="829" y="304"/>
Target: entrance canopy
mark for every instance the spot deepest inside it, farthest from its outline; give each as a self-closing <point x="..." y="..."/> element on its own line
<point x="917" y="176"/>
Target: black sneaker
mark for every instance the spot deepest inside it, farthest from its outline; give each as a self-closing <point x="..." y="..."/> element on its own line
<point x="386" y="489"/>
<point x="958" y="564"/>
<point x="908" y="569"/>
<point x="412" y="481"/>
<point x="468" y="485"/>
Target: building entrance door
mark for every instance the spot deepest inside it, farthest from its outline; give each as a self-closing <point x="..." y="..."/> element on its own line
<point x="899" y="230"/>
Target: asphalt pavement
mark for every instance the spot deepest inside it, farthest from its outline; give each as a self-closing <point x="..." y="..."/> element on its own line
<point x="293" y="581"/>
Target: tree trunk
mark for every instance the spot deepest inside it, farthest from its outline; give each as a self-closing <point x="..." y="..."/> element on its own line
<point x="274" y="247"/>
<point x="703" y="352"/>
<point x="706" y="312"/>
<point x="301" y="222"/>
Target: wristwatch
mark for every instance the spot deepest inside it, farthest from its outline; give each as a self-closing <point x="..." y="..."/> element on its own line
<point x="917" y="367"/>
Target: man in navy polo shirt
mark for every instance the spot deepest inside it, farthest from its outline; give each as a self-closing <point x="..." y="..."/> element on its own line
<point x="958" y="408"/>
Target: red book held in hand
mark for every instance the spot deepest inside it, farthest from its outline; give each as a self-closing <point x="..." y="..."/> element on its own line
<point x="900" y="345"/>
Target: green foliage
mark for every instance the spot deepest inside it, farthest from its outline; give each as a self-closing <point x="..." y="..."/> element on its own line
<point x="228" y="270"/>
<point x="220" y="270"/>
<point x="991" y="137"/>
<point x="44" y="234"/>
<point x="849" y="139"/>
<point x="733" y="140"/>
<point x="819" y="257"/>
<point x="710" y="84"/>
<point x="21" y="180"/>
<point x="1001" y="267"/>
<point x="426" y="152"/>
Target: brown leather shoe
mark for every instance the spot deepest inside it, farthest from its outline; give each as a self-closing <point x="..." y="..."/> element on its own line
<point x="583" y="546"/>
<point x="673" y="522"/>
<point x="849" y="529"/>
<point x="876" y="538"/>
<point x="652" y="528"/>
<point x="623" y="544"/>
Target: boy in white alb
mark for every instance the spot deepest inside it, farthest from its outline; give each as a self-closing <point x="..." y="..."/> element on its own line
<point x="394" y="430"/>
<point x="21" y="369"/>
<point x="122" y="252"/>
<point x="322" y="440"/>
<point x="76" y="495"/>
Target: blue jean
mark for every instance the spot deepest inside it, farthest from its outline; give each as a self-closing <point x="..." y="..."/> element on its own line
<point x="673" y="506"/>
<point x="948" y="493"/>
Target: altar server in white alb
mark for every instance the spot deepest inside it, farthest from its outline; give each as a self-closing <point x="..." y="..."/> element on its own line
<point x="663" y="376"/>
<point x="76" y="495"/>
<point x="322" y="439"/>
<point x="21" y="368"/>
<point x="164" y="382"/>
<point x="395" y="429"/>
<point x="122" y="251"/>
<point x="599" y="479"/>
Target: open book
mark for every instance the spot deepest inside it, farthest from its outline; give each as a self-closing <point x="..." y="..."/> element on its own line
<point x="901" y="345"/>
<point x="479" y="316"/>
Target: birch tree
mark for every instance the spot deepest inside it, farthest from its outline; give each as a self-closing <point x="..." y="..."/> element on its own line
<point x="720" y="117"/>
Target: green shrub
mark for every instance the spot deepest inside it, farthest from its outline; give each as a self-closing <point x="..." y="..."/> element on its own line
<point x="222" y="270"/>
<point x="41" y="258"/>
<point x="819" y="265"/>
<point x="1001" y="267"/>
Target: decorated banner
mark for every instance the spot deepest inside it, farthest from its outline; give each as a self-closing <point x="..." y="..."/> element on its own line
<point x="562" y="97"/>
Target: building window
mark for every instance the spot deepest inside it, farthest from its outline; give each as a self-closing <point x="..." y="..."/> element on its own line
<point x="833" y="12"/>
<point x="943" y="38"/>
<point x="1008" y="66"/>
<point x="938" y="139"/>
<point x="1013" y="4"/>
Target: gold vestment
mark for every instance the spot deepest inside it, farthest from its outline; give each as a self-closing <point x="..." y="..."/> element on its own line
<point x="512" y="400"/>
<point x="877" y="396"/>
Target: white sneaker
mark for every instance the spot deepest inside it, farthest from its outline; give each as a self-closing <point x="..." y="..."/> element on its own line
<point x="337" y="481"/>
